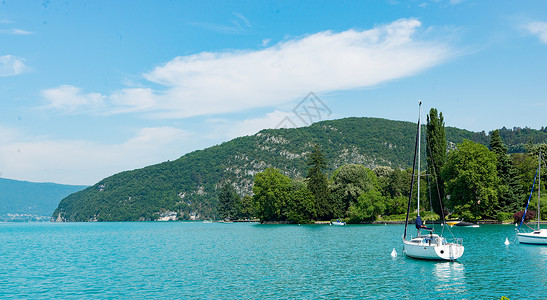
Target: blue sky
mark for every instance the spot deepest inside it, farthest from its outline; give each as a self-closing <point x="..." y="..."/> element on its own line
<point x="92" y="88"/>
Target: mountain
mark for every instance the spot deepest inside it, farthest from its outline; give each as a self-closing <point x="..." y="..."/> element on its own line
<point x="189" y="184"/>
<point x="30" y="201"/>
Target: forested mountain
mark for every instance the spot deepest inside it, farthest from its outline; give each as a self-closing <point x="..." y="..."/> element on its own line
<point x="30" y="201"/>
<point x="190" y="184"/>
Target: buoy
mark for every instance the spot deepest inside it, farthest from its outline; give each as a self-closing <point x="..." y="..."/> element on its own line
<point x="506" y="241"/>
<point x="393" y="253"/>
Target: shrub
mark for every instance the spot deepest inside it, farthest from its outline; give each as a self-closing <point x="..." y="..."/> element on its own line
<point x="504" y="217"/>
<point x="529" y="215"/>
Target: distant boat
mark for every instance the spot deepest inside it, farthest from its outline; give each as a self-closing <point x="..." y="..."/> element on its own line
<point x="338" y="222"/>
<point x="539" y="236"/>
<point x="207" y="221"/>
<point x="427" y="246"/>
<point x="466" y="224"/>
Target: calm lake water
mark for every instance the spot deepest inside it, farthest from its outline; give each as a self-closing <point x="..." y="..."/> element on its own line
<point x="251" y="261"/>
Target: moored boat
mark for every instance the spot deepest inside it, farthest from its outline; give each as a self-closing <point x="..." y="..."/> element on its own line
<point x="427" y="246"/>
<point x="538" y="236"/>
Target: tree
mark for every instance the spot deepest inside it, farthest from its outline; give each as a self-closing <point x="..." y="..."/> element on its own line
<point x="317" y="183"/>
<point x="510" y="190"/>
<point x="368" y="206"/>
<point x="271" y="194"/>
<point x="247" y="208"/>
<point x="301" y="205"/>
<point x="471" y="179"/>
<point x="348" y="183"/>
<point x="229" y="202"/>
<point x="436" y="156"/>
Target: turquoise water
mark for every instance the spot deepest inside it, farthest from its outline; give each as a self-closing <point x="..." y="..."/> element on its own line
<point x="250" y="261"/>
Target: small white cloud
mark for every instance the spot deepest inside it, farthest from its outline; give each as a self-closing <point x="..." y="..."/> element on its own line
<point x="273" y="120"/>
<point x="69" y="98"/>
<point x="15" y="31"/>
<point x="12" y="65"/>
<point x="539" y="29"/>
<point x="20" y="31"/>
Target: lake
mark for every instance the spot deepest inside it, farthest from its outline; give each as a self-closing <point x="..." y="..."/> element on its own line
<point x="144" y="260"/>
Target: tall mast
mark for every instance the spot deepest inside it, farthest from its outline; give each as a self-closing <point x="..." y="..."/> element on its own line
<point x="539" y="183"/>
<point x="419" y="152"/>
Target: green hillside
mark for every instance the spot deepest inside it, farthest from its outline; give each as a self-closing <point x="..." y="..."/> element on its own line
<point x="189" y="184"/>
<point x="30" y="201"/>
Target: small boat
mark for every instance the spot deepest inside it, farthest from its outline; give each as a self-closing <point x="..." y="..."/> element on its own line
<point x="539" y="236"/>
<point x="338" y="222"/>
<point x="427" y="246"/>
<point x="467" y="224"/>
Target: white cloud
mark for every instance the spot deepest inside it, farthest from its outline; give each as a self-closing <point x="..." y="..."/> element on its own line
<point x="70" y="99"/>
<point x="210" y="83"/>
<point x="40" y="159"/>
<point x="539" y="29"/>
<point x="276" y="119"/>
<point x="15" y="31"/>
<point x="12" y="65"/>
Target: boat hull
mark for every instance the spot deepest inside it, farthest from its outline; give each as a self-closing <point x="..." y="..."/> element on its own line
<point x="433" y="251"/>
<point x="538" y="237"/>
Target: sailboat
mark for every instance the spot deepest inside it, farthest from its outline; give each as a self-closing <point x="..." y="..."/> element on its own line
<point x="429" y="245"/>
<point x="539" y="236"/>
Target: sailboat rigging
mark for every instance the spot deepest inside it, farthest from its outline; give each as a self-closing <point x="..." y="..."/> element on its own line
<point x="539" y="236"/>
<point x="426" y="246"/>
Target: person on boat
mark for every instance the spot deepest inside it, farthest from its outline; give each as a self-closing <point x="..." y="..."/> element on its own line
<point x="420" y="224"/>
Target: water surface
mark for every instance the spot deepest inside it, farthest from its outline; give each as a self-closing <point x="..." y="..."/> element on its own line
<point x="241" y="260"/>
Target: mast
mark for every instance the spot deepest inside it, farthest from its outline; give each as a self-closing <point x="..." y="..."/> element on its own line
<point x="419" y="152"/>
<point x="412" y="180"/>
<point x="539" y="183"/>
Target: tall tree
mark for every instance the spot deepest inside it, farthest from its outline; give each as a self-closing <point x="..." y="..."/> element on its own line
<point x="317" y="183"/>
<point x="348" y="183"/>
<point x="229" y="202"/>
<point x="471" y="178"/>
<point x="271" y="194"/>
<point x="436" y="156"/>
<point x="510" y="190"/>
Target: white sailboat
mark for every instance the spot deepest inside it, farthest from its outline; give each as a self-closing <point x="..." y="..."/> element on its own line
<point x="539" y="236"/>
<point x="427" y="246"/>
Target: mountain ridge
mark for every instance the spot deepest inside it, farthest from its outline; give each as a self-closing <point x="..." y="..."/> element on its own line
<point x="31" y="201"/>
<point x="189" y="184"/>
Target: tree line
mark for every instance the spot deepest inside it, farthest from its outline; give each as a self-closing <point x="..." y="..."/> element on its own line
<point x="471" y="182"/>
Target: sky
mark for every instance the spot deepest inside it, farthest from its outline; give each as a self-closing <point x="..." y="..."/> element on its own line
<point x="92" y="88"/>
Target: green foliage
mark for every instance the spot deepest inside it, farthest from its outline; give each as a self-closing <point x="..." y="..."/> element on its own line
<point x="471" y="181"/>
<point x="318" y="185"/>
<point x="248" y="209"/>
<point x="509" y="190"/>
<point x="436" y="156"/>
<point x="271" y="195"/>
<point x="504" y="216"/>
<point x="301" y="206"/>
<point x="190" y="185"/>
<point x="348" y="183"/>
<point x="229" y="203"/>
<point x="369" y="206"/>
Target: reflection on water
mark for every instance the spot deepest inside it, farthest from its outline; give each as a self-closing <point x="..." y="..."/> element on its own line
<point x="450" y="277"/>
